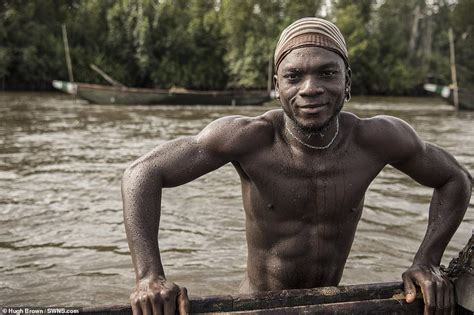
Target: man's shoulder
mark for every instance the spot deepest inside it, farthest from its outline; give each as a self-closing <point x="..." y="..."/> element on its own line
<point x="265" y="120"/>
<point x="240" y="134"/>
<point x="382" y="127"/>
<point x="245" y="126"/>
<point x="389" y="137"/>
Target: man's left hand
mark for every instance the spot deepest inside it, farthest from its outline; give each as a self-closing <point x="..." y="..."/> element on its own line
<point x="437" y="289"/>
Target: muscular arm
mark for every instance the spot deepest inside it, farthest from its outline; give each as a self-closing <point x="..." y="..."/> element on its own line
<point x="171" y="164"/>
<point x="434" y="167"/>
<point x="431" y="166"/>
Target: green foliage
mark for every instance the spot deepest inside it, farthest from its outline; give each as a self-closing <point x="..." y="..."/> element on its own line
<point x="188" y="46"/>
<point x="29" y="50"/>
<point x="464" y="33"/>
<point x="396" y="70"/>
<point x="252" y="28"/>
<point x="218" y="44"/>
<point x="363" y="52"/>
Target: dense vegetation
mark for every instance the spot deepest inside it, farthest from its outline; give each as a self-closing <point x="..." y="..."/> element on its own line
<point x="394" y="45"/>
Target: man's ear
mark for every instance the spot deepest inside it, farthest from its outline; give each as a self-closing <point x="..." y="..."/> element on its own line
<point x="277" y="88"/>
<point x="348" y="78"/>
<point x="348" y="84"/>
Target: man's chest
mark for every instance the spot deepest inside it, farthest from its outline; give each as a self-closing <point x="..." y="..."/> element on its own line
<point x="308" y="184"/>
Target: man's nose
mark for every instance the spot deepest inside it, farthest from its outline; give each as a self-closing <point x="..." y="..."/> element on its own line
<point x="311" y="86"/>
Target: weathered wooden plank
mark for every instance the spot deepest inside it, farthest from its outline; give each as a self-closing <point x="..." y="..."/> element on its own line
<point x="107" y="310"/>
<point x="378" y="295"/>
<point x="214" y="303"/>
<point x="289" y="298"/>
<point x="382" y="306"/>
<point x="377" y="306"/>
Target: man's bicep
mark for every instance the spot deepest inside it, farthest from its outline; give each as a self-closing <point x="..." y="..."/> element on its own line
<point x="224" y="140"/>
<point x="180" y="161"/>
<point x="429" y="165"/>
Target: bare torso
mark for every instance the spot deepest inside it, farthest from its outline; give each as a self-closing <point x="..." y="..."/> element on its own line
<point x="302" y="205"/>
<point x="302" y="208"/>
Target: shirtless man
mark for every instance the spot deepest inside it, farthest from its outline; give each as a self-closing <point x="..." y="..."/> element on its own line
<point x="304" y="171"/>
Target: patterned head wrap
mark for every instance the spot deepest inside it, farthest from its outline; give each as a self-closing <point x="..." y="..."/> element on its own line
<point x="310" y="31"/>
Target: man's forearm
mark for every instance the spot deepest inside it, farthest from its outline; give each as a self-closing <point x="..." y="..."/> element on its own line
<point x="141" y="195"/>
<point x="447" y="209"/>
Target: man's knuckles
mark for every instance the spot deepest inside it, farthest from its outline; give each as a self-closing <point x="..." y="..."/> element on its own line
<point x="161" y="296"/>
<point x="155" y="297"/>
<point x="135" y="299"/>
<point x="427" y="283"/>
<point x="143" y="299"/>
<point x="168" y="295"/>
<point x="406" y="276"/>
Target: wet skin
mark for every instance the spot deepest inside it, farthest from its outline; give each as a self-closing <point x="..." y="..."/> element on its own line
<point x="302" y="205"/>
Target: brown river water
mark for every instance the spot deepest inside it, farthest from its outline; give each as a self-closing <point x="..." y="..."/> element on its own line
<point x="62" y="239"/>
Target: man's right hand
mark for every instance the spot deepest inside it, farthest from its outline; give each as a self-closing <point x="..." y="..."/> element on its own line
<point x="159" y="297"/>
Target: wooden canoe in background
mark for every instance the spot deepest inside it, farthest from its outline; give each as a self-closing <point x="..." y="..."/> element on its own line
<point x="108" y="94"/>
<point x="466" y="97"/>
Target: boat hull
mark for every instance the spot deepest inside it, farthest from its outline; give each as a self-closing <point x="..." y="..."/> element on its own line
<point x="102" y="94"/>
<point x="465" y="97"/>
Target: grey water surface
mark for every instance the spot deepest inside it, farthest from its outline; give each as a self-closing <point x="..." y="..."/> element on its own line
<point x="62" y="240"/>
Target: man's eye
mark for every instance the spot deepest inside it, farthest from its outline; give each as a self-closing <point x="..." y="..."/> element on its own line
<point x="291" y="76"/>
<point x="328" y="73"/>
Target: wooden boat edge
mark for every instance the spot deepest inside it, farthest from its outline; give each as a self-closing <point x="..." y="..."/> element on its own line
<point x="384" y="296"/>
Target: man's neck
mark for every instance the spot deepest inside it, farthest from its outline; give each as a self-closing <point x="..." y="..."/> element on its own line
<point x="318" y="139"/>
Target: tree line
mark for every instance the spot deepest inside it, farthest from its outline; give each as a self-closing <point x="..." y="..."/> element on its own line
<point x="394" y="45"/>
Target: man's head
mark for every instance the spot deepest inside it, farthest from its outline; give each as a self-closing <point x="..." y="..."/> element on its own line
<point x="312" y="73"/>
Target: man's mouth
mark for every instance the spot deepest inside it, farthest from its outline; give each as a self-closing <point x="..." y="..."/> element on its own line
<point x="312" y="108"/>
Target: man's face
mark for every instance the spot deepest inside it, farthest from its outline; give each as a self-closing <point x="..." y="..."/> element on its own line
<point x="311" y="83"/>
